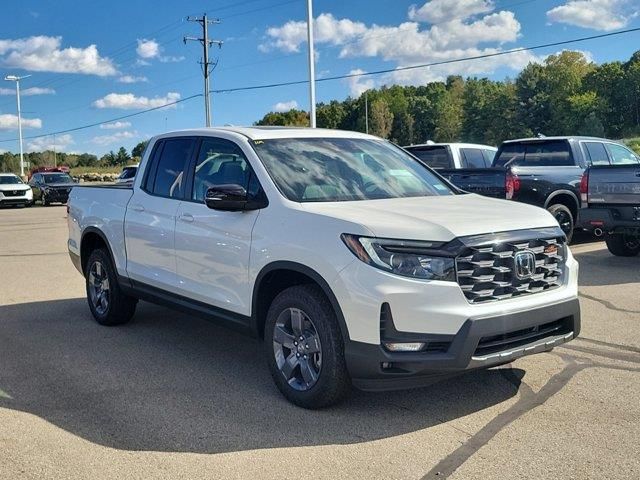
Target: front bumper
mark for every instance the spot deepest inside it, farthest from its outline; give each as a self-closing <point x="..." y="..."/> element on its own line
<point x="57" y="195"/>
<point x="24" y="199"/>
<point x="480" y="343"/>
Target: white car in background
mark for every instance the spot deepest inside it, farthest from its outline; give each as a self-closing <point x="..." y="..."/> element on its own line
<point x="127" y="175"/>
<point x="454" y="156"/>
<point x="14" y="191"/>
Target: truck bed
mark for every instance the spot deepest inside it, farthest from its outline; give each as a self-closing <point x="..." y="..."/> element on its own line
<point x="613" y="198"/>
<point x="489" y="182"/>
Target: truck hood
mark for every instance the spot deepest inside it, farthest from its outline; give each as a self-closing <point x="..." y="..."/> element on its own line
<point x="436" y="218"/>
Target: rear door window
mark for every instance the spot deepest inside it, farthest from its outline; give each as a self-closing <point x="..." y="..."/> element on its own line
<point x="551" y="153"/>
<point x="435" y="157"/>
<point x="170" y="175"/>
<point x="596" y="153"/>
<point x="621" y="155"/>
<point x="472" y="158"/>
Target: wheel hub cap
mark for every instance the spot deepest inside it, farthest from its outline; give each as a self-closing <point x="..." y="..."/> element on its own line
<point x="297" y="349"/>
<point x="99" y="289"/>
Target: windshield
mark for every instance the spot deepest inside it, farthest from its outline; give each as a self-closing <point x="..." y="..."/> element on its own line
<point x="343" y="169"/>
<point x="9" y="180"/>
<point x="57" y="178"/>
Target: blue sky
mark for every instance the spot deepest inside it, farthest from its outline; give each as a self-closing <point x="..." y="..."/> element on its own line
<point x="94" y="61"/>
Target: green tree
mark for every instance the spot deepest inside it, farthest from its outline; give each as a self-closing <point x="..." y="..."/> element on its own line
<point x="292" y="118"/>
<point x="330" y="115"/>
<point x="380" y="118"/>
<point x="122" y="157"/>
<point x="138" y="150"/>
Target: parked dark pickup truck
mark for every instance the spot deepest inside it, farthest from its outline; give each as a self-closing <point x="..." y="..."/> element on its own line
<point x="466" y="165"/>
<point x="545" y="172"/>
<point x="611" y="195"/>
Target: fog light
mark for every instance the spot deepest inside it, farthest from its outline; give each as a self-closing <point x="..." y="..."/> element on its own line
<point x="404" y="347"/>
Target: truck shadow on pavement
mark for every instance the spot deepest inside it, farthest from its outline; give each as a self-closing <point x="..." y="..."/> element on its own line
<point x="619" y="270"/>
<point x="172" y="383"/>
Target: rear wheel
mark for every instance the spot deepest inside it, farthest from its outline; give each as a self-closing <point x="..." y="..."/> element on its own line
<point x="564" y="217"/>
<point x="304" y="348"/>
<point x="108" y="303"/>
<point x="623" y="245"/>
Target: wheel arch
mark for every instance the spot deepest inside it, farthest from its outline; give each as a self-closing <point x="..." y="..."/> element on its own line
<point x="274" y="278"/>
<point x="566" y="198"/>
<point x="92" y="238"/>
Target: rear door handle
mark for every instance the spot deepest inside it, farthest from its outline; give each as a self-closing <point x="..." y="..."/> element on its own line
<point x="637" y="174"/>
<point x="137" y="208"/>
<point x="186" y="217"/>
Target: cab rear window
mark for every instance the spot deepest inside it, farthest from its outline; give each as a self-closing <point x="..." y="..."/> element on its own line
<point x="435" y="157"/>
<point x="553" y="153"/>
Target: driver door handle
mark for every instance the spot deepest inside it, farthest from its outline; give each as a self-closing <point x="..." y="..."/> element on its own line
<point x="137" y="207"/>
<point x="186" y="217"/>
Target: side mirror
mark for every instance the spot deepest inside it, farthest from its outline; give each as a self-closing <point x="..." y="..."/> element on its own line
<point x="229" y="197"/>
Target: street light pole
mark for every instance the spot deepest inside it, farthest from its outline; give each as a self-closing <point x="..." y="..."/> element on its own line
<point x="14" y="78"/>
<point x="312" y="66"/>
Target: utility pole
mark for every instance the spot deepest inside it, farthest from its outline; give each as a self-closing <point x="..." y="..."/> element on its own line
<point x="366" y="111"/>
<point x="206" y="64"/>
<point x="312" y="66"/>
<point x="14" y="78"/>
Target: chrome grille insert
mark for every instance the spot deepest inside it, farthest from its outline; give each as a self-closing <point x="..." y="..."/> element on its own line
<point x="487" y="272"/>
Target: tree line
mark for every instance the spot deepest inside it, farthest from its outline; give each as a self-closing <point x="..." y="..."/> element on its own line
<point x="10" y="162"/>
<point x="564" y="95"/>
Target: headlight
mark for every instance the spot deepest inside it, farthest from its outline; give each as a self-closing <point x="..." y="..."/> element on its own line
<point x="409" y="259"/>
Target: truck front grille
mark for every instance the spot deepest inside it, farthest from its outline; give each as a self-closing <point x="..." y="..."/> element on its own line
<point x="489" y="272"/>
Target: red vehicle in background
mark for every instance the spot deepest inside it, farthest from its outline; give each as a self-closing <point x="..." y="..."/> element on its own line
<point x="61" y="169"/>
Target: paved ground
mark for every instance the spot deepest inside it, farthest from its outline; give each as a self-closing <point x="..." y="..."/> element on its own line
<point x="170" y="396"/>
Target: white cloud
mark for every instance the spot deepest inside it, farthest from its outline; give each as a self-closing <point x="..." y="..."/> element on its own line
<point x="27" y="92"/>
<point x="359" y="85"/>
<point x="285" y="106"/>
<point x="451" y="36"/>
<point x="147" y="48"/>
<point x="438" y="11"/>
<point x="115" y="138"/>
<point x="44" y="54"/>
<point x="62" y="142"/>
<point x="327" y="29"/>
<point x="128" y="101"/>
<point x="115" y="125"/>
<point x="595" y="14"/>
<point x="10" y="122"/>
<point x="171" y="58"/>
<point x="132" y="79"/>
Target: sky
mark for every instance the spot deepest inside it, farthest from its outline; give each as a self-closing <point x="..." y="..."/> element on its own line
<point x="92" y="62"/>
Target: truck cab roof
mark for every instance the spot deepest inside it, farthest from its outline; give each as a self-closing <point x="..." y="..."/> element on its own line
<point x="263" y="133"/>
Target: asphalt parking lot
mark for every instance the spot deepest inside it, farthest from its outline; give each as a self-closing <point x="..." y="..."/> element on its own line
<point x="170" y="396"/>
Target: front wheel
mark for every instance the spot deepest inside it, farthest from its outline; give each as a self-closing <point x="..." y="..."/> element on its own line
<point x="107" y="302"/>
<point x="45" y="202"/>
<point x="564" y="217"/>
<point x="304" y="348"/>
<point x="623" y="245"/>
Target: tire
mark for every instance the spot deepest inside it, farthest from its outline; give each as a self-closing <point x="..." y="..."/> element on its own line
<point x="45" y="202"/>
<point x="564" y="217"/>
<point x="108" y="304"/>
<point x="327" y="380"/>
<point x="622" y="245"/>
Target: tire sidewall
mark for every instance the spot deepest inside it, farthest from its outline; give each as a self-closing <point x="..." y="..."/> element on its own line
<point x="103" y="258"/>
<point x="324" y="320"/>
<point x="553" y="209"/>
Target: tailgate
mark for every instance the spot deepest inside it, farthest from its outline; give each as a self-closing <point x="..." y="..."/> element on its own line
<point x="614" y="185"/>
<point x="489" y="182"/>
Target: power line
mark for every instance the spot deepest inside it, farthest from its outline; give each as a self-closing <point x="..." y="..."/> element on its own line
<point x="426" y="65"/>
<point x="122" y="117"/>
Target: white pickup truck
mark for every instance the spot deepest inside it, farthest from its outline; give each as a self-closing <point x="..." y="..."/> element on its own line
<point x="356" y="263"/>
